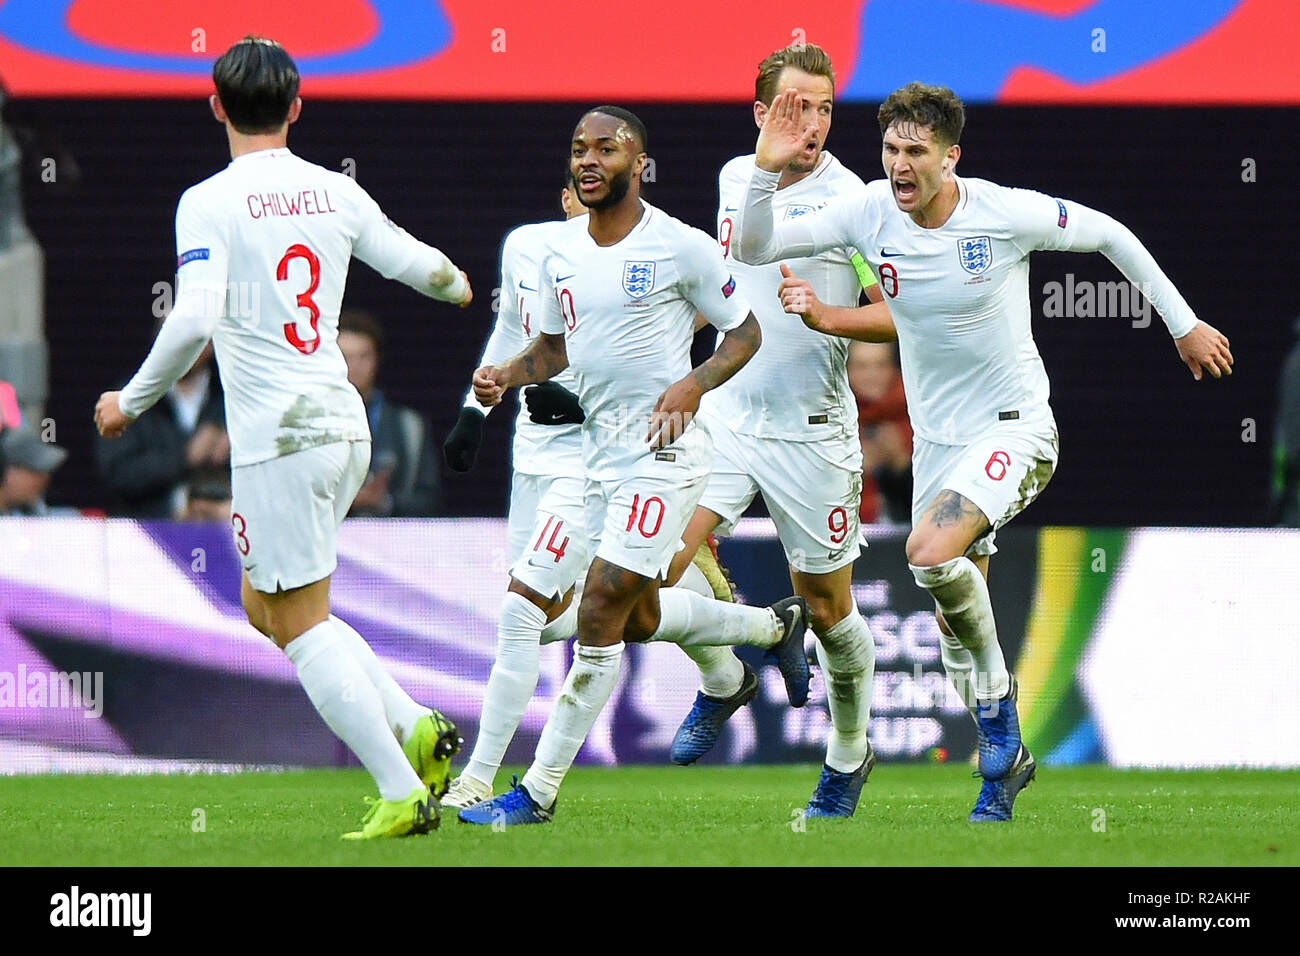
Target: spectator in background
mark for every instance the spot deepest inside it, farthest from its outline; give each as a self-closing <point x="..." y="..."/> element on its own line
<point x="149" y="466"/>
<point x="885" y="432"/>
<point x="1286" y="442"/>
<point x="29" y="463"/>
<point x="403" y="480"/>
<point x="207" y="496"/>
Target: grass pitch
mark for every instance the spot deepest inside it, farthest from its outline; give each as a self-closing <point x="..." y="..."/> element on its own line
<point x="909" y="815"/>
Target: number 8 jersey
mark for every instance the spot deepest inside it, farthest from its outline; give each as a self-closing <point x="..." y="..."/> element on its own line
<point x="265" y="246"/>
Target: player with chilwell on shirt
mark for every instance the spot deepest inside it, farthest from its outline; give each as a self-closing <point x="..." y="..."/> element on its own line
<point x="286" y="230"/>
<point x="952" y="256"/>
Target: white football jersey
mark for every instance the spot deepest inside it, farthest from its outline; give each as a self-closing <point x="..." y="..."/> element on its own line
<point x="797" y="387"/>
<point x="538" y="449"/>
<point x="274" y="235"/>
<point x="627" y="313"/>
<point x="959" y="294"/>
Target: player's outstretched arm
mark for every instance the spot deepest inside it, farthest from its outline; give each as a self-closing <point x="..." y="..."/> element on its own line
<point x="1070" y="226"/>
<point x="395" y="254"/>
<point x="867" y="323"/>
<point x="544" y="358"/>
<point x="679" y="403"/>
<point x="181" y="339"/>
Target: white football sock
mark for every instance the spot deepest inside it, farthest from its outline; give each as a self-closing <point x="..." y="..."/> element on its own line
<point x="587" y="688"/>
<point x="564" y="626"/>
<point x="691" y="620"/>
<point x="693" y="580"/>
<point x="959" y="664"/>
<point x="400" y="710"/>
<point x="847" y="654"/>
<point x="510" y="685"/>
<point x="721" y="672"/>
<point x="343" y="695"/>
<point x="963" y="595"/>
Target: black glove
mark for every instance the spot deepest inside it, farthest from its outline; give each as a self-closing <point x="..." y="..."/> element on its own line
<point x="461" y="447"/>
<point x="551" y="404"/>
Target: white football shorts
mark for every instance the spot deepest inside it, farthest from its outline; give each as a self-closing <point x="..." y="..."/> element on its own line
<point x="1001" y="472"/>
<point x="286" y="512"/>
<point x="812" y="490"/>
<point x="549" y="543"/>
<point x="636" y="521"/>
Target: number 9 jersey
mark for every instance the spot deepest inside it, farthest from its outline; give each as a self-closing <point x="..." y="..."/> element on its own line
<point x="266" y="243"/>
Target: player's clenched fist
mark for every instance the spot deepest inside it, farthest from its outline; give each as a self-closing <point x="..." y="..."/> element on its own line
<point x="673" y="412"/>
<point x="798" y="298"/>
<point x="486" y="390"/>
<point x="469" y="291"/>
<point x="109" y="418"/>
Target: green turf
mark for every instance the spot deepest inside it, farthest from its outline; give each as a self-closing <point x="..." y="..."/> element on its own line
<point x="909" y="815"/>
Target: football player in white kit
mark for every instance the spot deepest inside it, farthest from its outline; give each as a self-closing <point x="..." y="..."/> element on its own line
<point x="619" y="294"/>
<point x="546" y="541"/>
<point x="263" y="249"/>
<point x="952" y="255"/>
<point x="786" y="425"/>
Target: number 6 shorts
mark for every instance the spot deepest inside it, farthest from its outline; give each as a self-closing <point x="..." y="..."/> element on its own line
<point x="286" y="511"/>
<point x="637" y="519"/>
<point x="1001" y="472"/>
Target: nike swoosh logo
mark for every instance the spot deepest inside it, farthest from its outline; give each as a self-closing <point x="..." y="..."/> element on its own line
<point x="527" y="288"/>
<point x="890" y="255"/>
<point x="562" y="278"/>
<point x="730" y="208"/>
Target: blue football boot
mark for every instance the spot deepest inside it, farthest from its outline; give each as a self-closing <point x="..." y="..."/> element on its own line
<point x="513" y="808"/>
<point x="998" y="796"/>
<point x="837" y="793"/>
<point x="998" y="728"/>
<point x="788" y="653"/>
<point x="702" y="726"/>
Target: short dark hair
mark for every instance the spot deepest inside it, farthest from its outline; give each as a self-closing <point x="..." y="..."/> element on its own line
<point x="808" y="57"/>
<point x="631" y="119"/>
<point x="361" y="322"/>
<point x="256" y="82"/>
<point x="919" y="105"/>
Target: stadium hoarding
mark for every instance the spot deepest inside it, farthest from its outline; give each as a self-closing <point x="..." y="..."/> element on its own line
<point x="1005" y="51"/>
<point x="1146" y="647"/>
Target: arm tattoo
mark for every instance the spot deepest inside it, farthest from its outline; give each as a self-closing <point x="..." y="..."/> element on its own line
<point x="738" y="347"/>
<point x="544" y="358"/>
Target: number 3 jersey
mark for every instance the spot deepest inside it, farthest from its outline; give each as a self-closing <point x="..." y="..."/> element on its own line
<point x="266" y="243"/>
<point x="627" y="313"/>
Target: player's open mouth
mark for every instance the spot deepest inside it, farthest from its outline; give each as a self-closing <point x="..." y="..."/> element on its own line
<point x="904" y="189"/>
<point x="588" y="183"/>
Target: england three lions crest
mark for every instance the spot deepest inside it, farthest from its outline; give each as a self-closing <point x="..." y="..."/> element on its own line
<point x="976" y="254"/>
<point x="638" y="278"/>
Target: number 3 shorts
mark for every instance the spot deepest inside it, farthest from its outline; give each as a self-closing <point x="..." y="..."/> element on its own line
<point x="286" y="512"/>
